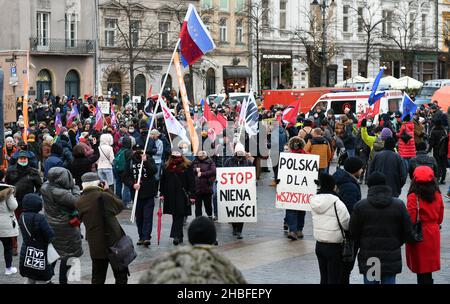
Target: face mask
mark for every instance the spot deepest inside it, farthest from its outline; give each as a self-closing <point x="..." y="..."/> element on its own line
<point x="23" y="164"/>
<point x="369" y="123"/>
<point x="131" y="130"/>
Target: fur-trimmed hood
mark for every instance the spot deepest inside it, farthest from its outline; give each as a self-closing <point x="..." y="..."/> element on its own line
<point x="5" y="191"/>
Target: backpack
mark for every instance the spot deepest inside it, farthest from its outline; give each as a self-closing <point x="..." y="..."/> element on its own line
<point x="119" y="162"/>
<point x="443" y="146"/>
<point x="405" y="137"/>
<point x="308" y="136"/>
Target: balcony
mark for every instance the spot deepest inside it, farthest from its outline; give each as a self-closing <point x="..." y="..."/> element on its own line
<point x="61" y="46"/>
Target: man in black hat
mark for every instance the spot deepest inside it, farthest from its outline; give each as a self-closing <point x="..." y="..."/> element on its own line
<point x="347" y="181"/>
<point x="23" y="147"/>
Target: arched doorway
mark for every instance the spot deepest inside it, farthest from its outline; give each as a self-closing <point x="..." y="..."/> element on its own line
<point x="72" y="84"/>
<point x="140" y="86"/>
<point x="115" y="86"/>
<point x="187" y="83"/>
<point x="43" y="83"/>
<point x="168" y="85"/>
<point x="210" y="82"/>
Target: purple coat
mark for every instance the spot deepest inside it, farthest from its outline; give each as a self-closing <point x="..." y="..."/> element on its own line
<point x="204" y="183"/>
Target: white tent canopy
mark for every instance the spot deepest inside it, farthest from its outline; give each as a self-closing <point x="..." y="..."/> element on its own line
<point x="407" y="82"/>
<point x="356" y="79"/>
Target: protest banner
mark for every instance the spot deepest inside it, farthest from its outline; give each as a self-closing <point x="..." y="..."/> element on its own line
<point x="236" y="195"/>
<point x="296" y="173"/>
<point x="104" y="106"/>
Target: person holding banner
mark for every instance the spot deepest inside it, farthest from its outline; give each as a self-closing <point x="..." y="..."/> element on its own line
<point x="295" y="219"/>
<point x="177" y="187"/>
<point x="240" y="159"/>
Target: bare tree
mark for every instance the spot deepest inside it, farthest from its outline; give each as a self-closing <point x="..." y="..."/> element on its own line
<point x="368" y="23"/>
<point x="310" y="35"/>
<point x="136" y="40"/>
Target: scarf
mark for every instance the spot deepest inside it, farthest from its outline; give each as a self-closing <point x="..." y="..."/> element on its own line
<point x="176" y="165"/>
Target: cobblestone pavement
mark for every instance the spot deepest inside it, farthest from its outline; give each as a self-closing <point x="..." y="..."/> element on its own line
<point x="265" y="255"/>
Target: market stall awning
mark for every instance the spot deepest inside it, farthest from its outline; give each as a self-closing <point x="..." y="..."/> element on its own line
<point x="233" y="72"/>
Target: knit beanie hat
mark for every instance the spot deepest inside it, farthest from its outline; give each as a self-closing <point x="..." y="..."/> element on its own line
<point x="423" y="174"/>
<point x="389" y="143"/>
<point x="202" y="231"/>
<point x="385" y="133"/>
<point x="326" y="182"/>
<point x="353" y="164"/>
<point x="376" y="178"/>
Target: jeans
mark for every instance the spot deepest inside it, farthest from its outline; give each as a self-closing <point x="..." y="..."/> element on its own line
<point x="99" y="270"/>
<point x="158" y="171"/>
<point x="406" y="162"/>
<point x="203" y="199"/>
<point x="387" y="279"/>
<point x="122" y="191"/>
<point x="329" y="256"/>
<point x="214" y="198"/>
<point x="295" y="220"/>
<point x="63" y="270"/>
<point x="7" y="250"/>
<point x="144" y="217"/>
<point x="106" y="175"/>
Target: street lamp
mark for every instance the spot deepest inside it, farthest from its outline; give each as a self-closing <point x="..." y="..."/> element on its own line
<point x="323" y="7"/>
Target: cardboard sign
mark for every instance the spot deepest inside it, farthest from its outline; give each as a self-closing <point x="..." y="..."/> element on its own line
<point x="296" y="173"/>
<point x="236" y="195"/>
<point x="104" y="107"/>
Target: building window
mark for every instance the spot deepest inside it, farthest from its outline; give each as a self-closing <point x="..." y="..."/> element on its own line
<point x="411" y="29"/>
<point x="239" y="31"/>
<point x="424" y="26"/>
<point x="345" y="19"/>
<point x="207" y="23"/>
<point x="72" y="83"/>
<point x="362" y="68"/>
<point x="163" y="34"/>
<point x="168" y="85"/>
<point x="206" y="4"/>
<point x="114" y="85"/>
<point x="347" y="69"/>
<point x="110" y="32"/>
<point x="283" y="14"/>
<point x="265" y="13"/>
<point x="140" y="86"/>
<point x="240" y="5"/>
<point x="360" y="20"/>
<point x="43" y="83"/>
<point x="43" y="28"/>
<point x="223" y="30"/>
<point x="387" y="23"/>
<point x="134" y="25"/>
<point x="224" y="5"/>
<point x="71" y="30"/>
<point x="210" y="82"/>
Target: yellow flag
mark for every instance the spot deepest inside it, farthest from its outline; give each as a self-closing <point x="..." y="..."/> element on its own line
<point x="184" y="98"/>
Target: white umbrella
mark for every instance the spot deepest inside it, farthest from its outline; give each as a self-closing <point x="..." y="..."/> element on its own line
<point x="407" y="82"/>
<point x="353" y="80"/>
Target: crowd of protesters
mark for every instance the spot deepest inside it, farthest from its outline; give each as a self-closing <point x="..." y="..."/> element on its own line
<point x="63" y="171"/>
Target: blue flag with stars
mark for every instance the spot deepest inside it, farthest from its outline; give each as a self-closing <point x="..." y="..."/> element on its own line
<point x="373" y="95"/>
<point x="409" y="107"/>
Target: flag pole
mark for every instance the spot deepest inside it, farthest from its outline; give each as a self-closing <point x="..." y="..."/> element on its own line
<point x="136" y="193"/>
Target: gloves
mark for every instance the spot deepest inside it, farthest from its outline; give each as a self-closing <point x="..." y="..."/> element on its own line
<point x="364" y="123"/>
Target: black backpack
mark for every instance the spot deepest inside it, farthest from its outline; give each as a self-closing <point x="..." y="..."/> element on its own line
<point x="443" y="146"/>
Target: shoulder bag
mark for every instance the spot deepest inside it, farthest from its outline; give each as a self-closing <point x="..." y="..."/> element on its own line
<point x="122" y="252"/>
<point x="417" y="226"/>
<point x="348" y="246"/>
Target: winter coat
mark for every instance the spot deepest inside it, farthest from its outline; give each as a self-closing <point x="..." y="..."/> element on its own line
<point x="32" y="159"/>
<point x="380" y="225"/>
<point x="67" y="151"/>
<point x="204" y="183"/>
<point x="425" y="256"/>
<point x="348" y="138"/>
<point x="40" y="230"/>
<point x="419" y="132"/>
<point x="408" y="149"/>
<point x="349" y="189"/>
<point x="305" y="131"/>
<point x="171" y="187"/>
<point x="98" y="235"/>
<point x="148" y="183"/>
<point x="422" y="159"/>
<point x="320" y="146"/>
<point x="325" y="225"/>
<point x="390" y="164"/>
<point x="106" y="152"/>
<point x="60" y="195"/>
<point x="8" y="203"/>
<point x="437" y="133"/>
<point x="82" y="164"/>
<point x="25" y="180"/>
<point x="6" y="156"/>
<point x="53" y="161"/>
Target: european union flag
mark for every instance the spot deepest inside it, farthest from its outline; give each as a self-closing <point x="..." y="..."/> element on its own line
<point x="373" y="95"/>
<point x="409" y="107"/>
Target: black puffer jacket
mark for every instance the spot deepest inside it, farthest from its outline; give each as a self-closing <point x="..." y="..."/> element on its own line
<point x="380" y="225"/>
<point x="60" y="195"/>
<point x="390" y="164"/>
<point x="25" y="179"/>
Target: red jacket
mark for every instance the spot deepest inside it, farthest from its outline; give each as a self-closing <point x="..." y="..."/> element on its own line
<point x="425" y="256"/>
<point x="407" y="150"/>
